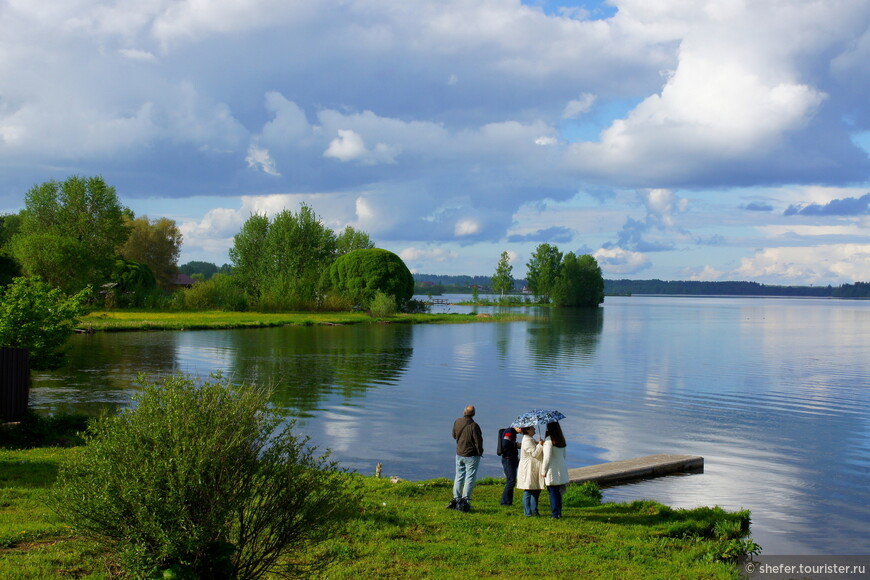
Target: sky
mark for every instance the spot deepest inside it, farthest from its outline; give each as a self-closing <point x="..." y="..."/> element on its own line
<point x="671" y="139"/>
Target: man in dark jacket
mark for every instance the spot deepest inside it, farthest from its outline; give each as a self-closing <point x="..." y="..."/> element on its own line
<point x="469" y="448"/>
<point x="508" y="448"/>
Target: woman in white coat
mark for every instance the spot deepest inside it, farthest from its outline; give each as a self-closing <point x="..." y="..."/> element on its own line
<point x="529" y="477"/>
<point x="554" y="468"/>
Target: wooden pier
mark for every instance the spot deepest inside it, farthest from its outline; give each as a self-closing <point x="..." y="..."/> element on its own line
<point x="647" y="467"/>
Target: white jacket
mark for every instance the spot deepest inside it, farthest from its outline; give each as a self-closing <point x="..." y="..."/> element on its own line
<point x="529" y="470"/>
<point x="554" y="467"/>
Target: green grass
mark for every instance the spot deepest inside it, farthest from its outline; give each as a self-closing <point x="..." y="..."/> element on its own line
<point x="115" y="320"/>
<point x="404" y="531"/>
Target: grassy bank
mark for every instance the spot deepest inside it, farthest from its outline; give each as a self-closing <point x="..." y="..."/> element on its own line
<point x="404" y="531"/>
<point x="117" y="320"/>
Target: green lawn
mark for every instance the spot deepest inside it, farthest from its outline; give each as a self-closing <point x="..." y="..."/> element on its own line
<point x="404" y="531"/>
<point x="154" y="320"/>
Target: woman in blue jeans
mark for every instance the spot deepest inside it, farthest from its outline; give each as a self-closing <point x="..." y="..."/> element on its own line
<point x="554" y="468"/>
<point x="508" y="448"/>
<point x="529" y="471"/>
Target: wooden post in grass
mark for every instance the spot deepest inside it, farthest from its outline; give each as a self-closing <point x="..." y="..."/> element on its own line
<point x="14" y="383"/>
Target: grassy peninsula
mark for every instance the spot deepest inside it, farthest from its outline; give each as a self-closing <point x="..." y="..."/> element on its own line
<point x="404" y="531"/>
<point x="120" y="320"/>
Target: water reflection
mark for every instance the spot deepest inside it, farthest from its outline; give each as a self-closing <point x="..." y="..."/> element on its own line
<point x="569" y="337"/>
<point x="303" y="364"/>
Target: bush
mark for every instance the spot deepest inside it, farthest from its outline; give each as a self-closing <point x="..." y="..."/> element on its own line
<point x="35" y="316"/>
<point x="204" y="480"/>
<point x="360" y="274"/>
<point x="586" y="494"/>
<point x="62" y="430"/>
<point x="383" y="305"/>
<point x="220" y="292"/>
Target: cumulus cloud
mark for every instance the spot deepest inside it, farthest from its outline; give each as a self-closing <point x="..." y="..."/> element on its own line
<point x="577" y="107"/>
<point x="845" y="263"/>
<point x="427" y="254"/>
<point x="617" y="261"/>
<point x="259" y="158"/>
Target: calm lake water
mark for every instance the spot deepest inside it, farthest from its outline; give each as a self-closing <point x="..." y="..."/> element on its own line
<point x="773" y="393"/>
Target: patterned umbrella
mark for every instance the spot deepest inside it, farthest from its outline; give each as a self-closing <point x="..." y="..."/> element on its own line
<point x="538" y="417"/>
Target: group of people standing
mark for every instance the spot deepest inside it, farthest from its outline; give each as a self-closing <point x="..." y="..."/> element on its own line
<point x="531" y="465"/>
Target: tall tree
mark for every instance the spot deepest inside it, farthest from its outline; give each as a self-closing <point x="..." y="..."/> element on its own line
<point x="352" y="239"/>
<point x="80" y="216"/>
<point x="503" y="280"/>
<point x="155" y="243"/>
<point x="543" y="270"/>
<point x="248" y="254"/>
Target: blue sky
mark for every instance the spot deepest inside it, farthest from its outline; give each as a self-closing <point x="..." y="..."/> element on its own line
<point x="676" y="139"/>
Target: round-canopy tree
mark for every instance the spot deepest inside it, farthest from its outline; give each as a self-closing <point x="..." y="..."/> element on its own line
<point x="358" y="275"/>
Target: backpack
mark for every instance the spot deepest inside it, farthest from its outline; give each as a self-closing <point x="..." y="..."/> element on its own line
<point x="499" y="449"/>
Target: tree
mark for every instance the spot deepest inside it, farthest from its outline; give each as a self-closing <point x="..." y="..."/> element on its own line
<point x="503" y="280"/>
<point x="82" y="219"/>
<point x="204" y="269"/>
<point x="248" y="255"/>
<point x="351" y="239"/>
<point x="359" y="275"/>
<point x="35" y="316"/>
<point x="543" y="270"/>
<point x="156" y="243"/>
<point x="134" y="283"/>
<point x="205" y="480"/>
<point x="580" y="282"/>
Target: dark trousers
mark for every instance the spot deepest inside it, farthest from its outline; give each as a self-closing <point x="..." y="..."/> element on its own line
<point x="556" y="500"/>
<point x="510" y="465"/>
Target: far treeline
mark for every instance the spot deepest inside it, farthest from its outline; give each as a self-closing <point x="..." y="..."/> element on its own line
<point x="436" y="284"/>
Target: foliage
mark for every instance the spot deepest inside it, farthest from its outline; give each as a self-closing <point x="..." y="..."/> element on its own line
<point x="360" y="274"/>
<point x="543" y="270"/>
<point x="383" y="305"/>
<point x="204" y="480"/>
<point x="156" y="243"/>
<point x="135" y="284"/>
<point x="503" y="281"/>
<point x="414" y="306"/>
<point x="584" y="494"/>
<point x="71" y="227"/>
<point x="580" y="282"/>
<point x="204" y="269"/>
<point x="247" y="254"/>
<point x="352" y="239"/>
<point x="35" y="316"/>
<point x="35" y="430"/>
<point x="220" y="292"/>
<point x="281" y="262"/>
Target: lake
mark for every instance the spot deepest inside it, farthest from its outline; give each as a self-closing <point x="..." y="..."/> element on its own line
<point x="773" y="393"/>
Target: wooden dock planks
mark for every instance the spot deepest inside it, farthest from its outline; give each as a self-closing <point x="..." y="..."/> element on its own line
<point x="647" y="467"/>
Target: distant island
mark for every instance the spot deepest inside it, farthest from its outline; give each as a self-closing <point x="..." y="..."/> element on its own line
<point x="436" y="284"/>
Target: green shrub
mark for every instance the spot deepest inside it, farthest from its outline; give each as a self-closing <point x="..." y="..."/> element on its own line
<point x="360" y="274"/>
<point x="586" y="494"/>
<point x="205" y="480"/>
<point x="383" y="305"/>
<point x="220" y="292"/>
<point x="35" y="316"/>
<point x="34" y="430"/>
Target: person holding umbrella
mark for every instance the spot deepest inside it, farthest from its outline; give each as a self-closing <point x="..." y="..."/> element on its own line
<point x="530" y="475"/>
<point x="554" y="468"/>
<point x="529" y="471"/>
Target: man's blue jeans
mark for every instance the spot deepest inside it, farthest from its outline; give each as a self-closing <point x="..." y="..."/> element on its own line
<point x="466" y="475"/>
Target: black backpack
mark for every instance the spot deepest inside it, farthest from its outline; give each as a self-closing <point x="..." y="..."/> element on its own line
<point x="499" y="449"/>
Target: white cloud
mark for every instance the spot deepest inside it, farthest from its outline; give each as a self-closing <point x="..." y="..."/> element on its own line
<point x="428" y="254"/>
<point x="809" y="265"/>
<point x="349" y="146"/>
<point x="579" y="106"/>
<point x="466" y="227"/>
<point x="619" y="261"/>
<point x="259" y="158"/>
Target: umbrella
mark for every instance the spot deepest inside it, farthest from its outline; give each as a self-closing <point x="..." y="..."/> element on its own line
<point x="538" y="417"/>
